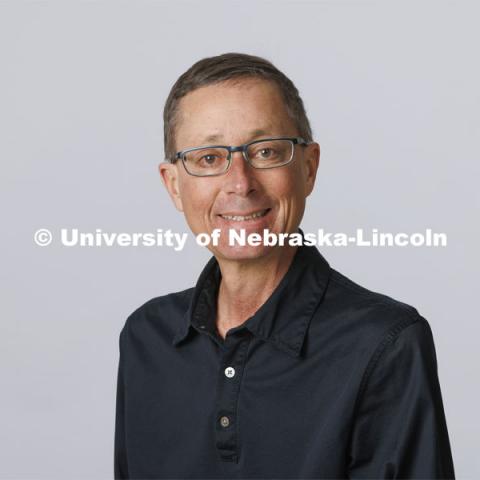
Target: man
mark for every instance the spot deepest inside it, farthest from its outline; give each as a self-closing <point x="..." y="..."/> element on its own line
<point x="275" y="365"/>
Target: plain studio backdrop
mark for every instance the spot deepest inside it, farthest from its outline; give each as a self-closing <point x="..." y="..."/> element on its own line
<point x="392" y="91"/>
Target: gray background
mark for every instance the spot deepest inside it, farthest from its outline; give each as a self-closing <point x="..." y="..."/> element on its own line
<point x="392" y="92"/>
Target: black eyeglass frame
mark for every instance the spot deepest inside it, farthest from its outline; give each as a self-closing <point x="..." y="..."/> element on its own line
<point x="240" y="148"/>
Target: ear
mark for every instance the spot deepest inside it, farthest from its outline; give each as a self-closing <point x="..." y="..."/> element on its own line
<point x="312" y="161"/>
<point x="170" y="177"/>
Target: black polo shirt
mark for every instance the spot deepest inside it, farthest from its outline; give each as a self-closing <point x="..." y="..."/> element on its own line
<point x="327" y="380"/>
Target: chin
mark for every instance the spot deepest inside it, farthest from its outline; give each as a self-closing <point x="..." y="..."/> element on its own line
<point x="241" y="253"/>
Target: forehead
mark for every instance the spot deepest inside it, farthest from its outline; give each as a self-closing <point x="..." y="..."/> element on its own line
<point x="232" y="112"/>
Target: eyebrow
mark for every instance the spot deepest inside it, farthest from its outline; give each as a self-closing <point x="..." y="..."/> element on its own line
<point x="253" y="134"/>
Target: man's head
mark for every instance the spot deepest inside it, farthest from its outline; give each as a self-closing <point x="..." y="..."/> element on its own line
<point x="233" y="99"/>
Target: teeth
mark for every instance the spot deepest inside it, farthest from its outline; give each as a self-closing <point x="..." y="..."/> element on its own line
<point x="241" y="218"/>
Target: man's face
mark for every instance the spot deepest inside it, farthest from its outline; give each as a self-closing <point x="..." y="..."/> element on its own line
<point x="234" y="114"/>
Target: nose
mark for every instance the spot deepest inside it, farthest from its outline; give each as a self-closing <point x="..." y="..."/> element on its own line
<point x="240" y="178"/>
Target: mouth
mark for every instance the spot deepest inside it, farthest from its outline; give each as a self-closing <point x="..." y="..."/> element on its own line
<point x="244" y="218"/>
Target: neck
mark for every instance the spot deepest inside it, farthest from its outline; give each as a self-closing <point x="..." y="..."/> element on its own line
<point x="246" y="286"/>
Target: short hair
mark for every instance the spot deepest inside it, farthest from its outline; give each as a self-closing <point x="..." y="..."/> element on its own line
<point x="221" y="68"/>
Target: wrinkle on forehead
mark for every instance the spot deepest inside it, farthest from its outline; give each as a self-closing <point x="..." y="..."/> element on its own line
<point x="252" y="135"/>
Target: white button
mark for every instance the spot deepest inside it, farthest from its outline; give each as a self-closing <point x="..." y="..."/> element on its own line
<point x="224" y="422"/>
<point x="229" y="372"/>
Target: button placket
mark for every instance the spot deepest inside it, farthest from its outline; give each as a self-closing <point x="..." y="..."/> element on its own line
<point x="228" y="390"/>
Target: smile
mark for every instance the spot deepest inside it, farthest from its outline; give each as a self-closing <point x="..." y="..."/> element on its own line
<point x="242" y="218"/>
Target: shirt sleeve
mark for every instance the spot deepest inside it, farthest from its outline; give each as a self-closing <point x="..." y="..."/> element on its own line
<point x="120" y="453"/>
<point x="400" y="429"/>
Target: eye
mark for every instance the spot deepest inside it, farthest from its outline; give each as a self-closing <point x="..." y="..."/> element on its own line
<point x="208" y="160"/>
<point x="265" y="152"/>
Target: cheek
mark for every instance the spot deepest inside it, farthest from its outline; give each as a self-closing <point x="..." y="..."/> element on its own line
<point x="195" y="205"/>
<point x="197" y="200"/>
<point x="290" y="193"/>
<point x="289" y="188"/>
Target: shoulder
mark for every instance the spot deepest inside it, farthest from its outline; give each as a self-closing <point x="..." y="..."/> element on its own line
<point x="371" y="318"/>
<point x="159" y="315"/>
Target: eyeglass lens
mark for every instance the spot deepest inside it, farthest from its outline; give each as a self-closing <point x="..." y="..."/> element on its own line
<point x="215" y="160"/>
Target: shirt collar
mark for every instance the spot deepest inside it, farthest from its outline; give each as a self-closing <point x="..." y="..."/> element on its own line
<point x="283" y="319"/>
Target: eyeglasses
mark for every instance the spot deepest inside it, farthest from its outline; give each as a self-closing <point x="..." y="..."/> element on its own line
<point x="215" y="160"/>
